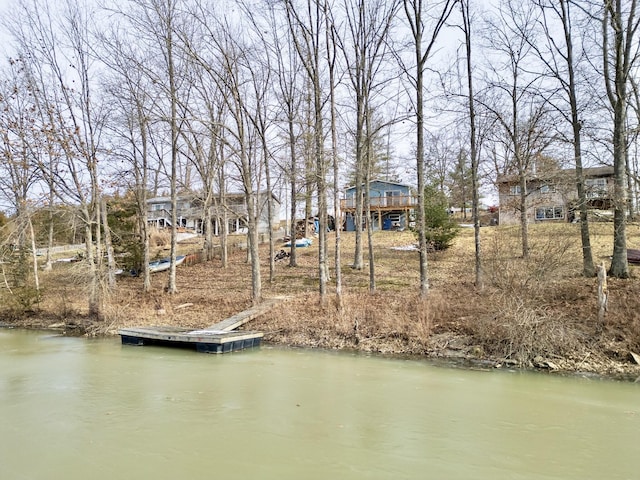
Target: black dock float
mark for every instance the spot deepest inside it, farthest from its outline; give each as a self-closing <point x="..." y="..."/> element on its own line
<point x="206" y="341"/>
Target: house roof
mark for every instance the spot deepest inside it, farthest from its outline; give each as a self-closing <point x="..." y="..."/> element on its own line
<point x="192" y="196"/>
<point x="605" y="171"/>
<point x="589" y="172"/>
<point x="380" y="181"/>
<point x="158" y="199"/>
<point x="167" y="198"/>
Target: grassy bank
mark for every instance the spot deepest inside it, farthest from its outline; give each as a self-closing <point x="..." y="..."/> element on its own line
<point x="538" y="312"/>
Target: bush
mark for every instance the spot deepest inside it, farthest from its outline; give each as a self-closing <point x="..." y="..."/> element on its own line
<point x="522" y="332"/>
<point x="441" y="229"/>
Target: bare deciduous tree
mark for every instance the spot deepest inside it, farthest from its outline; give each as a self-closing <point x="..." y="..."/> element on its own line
<point x="418" y="18"/>
<point x="510" y="36"/>
<point x="620" y="22"/>
<point x="560" y="63"/>
<point x="467" y="28"/>
<point x="19" y="141"/>
<point x="307" y="33"/>
<point x="58" y="43"/>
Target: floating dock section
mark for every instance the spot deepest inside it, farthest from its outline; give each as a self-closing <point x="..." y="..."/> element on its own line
<point x="219" y="338"/>
<point x="206" y="341"/>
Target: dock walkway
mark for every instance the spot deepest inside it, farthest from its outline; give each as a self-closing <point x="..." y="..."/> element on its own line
<point x="218" y="338"/>
<point x="241" y="318"/>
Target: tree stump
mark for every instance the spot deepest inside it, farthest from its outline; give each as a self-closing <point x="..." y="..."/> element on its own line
<point x="602" y="293"/>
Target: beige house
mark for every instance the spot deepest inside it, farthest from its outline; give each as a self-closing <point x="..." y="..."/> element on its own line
<point x="190" y="213"/>
<point x="552" y="196"/>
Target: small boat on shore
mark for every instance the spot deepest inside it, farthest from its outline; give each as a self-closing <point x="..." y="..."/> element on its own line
<point x="300" y="242"/>
<point x="164" y="264"/>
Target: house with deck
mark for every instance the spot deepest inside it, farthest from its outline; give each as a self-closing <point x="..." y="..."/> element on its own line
<point x="190" y="213"/>
<point x="392" y="206"/>
<point x="553" y="196"/>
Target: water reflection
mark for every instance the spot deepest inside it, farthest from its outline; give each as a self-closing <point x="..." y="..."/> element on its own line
<point x="76" y="408"/>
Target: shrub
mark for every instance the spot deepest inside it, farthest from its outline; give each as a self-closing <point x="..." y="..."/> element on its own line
<point x="522" y="332"/>
<point x="441" y="229"/>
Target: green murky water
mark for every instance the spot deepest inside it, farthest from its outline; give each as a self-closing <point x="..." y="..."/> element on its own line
<point x="72" y="408"/>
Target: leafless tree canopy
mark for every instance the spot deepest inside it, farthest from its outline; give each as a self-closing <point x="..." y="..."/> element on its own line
<point x="298" y="98"/>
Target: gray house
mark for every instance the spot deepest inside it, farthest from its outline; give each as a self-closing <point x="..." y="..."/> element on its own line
<point x="190" y="213"/>
<point x="391" y="204"/>
<point x="553" y="196"/>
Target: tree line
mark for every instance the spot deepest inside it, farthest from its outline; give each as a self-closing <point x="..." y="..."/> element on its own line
<point x="295" y="96"/>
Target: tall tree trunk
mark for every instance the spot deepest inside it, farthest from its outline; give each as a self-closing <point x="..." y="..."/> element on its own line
<point x="331" y="49"/>
<point x="321" y="183"/>
<point x="34" y="256"/>
<point x="173" y="98"/>
<point x="111" y="261"/>
<point x="361" y="187"/>
<point x="616" y="85"/>
<point x="294" y="192"/>
<point x="308" y="164"/>
<point x="475" y="194"/>
<point x="50" y="218"/>
<point x="414" y="14"/>
<point x="94" y="286"/>
<point x="524" y="221"/>
<point x="367" y="208"/>
<point x="270" y="208"/>
<point x="588" y="267"/>
<point x="619" y="264"/>
<point x="223" y="218"/>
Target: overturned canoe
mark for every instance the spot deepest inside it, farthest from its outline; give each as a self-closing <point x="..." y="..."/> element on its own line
<point x="164" y="264"/>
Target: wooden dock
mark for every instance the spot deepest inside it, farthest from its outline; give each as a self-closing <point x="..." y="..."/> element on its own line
<point x="206" y="341"/>
<point x="218" y="338"/>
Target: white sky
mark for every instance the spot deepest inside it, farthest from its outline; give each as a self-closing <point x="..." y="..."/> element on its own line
<point x="402" y="149"/>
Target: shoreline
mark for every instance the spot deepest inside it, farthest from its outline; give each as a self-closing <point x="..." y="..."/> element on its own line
<point x="459" y="357"/>
<point x="538" y="313"/>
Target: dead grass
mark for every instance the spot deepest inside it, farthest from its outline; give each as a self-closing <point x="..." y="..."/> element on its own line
<point x="530" y="308"/>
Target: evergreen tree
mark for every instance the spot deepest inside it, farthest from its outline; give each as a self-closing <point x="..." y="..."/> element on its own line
<point x="440" y="229"/>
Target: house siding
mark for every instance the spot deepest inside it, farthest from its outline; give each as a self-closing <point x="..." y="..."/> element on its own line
<point x="189" y="213"/>
<point x="553" y="198"/>
<point x="390" y="203"/>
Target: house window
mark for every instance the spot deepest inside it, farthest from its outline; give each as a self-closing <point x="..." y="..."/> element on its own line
<point x="595" y="182"/>
<point x="596" y="187"/>
<point x="547" y="188"/>
<point x="514" y="190"/>
<point x="157" y="206"/>
<point x="550" y="213"/>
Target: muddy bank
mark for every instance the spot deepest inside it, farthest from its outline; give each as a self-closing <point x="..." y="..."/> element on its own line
<point x="332" y="333"/>
<point x="460" y="350"/>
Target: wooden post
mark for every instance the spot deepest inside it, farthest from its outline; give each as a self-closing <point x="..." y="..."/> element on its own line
<point x="602" y="293"/>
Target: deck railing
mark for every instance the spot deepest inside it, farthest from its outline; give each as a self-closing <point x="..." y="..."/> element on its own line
<point x="387" y="202"/>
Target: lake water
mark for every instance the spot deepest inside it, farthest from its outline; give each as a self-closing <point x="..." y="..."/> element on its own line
<point x="72" y="408"/>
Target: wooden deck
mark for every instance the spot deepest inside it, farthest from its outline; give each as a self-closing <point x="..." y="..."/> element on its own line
<point x="218" y="338"/>
<point x="385" y="204"/>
